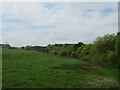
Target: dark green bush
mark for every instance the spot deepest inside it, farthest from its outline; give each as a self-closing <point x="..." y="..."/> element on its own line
<point x="111" y="57"/>
<point x="66" y="51"/>
<point x="54" y="52"/>
<point x="63" y="53"/>
<point x="117" y="48"/>
<point x="76" y="46"/>
<point x="101" y="46"/>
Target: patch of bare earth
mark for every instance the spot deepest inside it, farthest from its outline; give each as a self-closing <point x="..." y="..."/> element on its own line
<point x="90" y="67"/>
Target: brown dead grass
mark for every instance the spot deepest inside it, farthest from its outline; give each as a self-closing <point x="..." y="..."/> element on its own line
<point x="90" y="67"/>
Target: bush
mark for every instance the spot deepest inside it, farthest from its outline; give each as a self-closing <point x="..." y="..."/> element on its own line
<point x="28" y="47"/>
<point x="111" y="57"/>
<point x="79" y="51"/>
<point x="101" y="47"/>
<point x="105" y="43"/>
<point x="76" y="46"/>
<point x="117" y="48"/>
<point x="63" y="53"/>
<point x="54" y="52"/>
<point x="66" y="51"/>
<point x="84" y="50"/>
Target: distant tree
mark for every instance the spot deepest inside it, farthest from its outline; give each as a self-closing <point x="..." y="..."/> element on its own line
<point x="65" y="45"/>
<point x="22" y="47"/>
<point x="76" y="46"/>
<point x="7" y="46"/>
<point x="28" y="47"/>
<point x="49" y="46"/>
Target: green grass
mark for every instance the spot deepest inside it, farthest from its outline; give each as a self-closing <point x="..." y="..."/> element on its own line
<point x="30" y="69"/>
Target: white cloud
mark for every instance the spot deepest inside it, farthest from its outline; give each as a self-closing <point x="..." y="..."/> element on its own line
<point x="74" y="22"/>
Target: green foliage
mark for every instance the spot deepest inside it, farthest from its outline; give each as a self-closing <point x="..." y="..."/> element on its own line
<point x="28" y="48"/>
<point x="54" y="52"/>
<point x="117" y="48"/>
<point x="7" y="46"/>
<point x="79" y="51"/>
<point x="66" y="51"/>
<point x="101" y="51"/>
<point x="101" y="47"/>
<point x="76" y="46"/>
<point x="86" y="49"/>
<point x="105" y="43"/>
<point x="83" y="51"/>
<point x="111" y="57"/>
<point x="63" y="53"/>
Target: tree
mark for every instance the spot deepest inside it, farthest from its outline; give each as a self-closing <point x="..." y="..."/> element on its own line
<point x="117" y="47"/>
<point x="86" y="49"/>
<point x="79" y="51"/>
<point x="111" y="57"/>
<point x="76" y="46"/>
<point x="22" y="47"/>
<point x="101" y="46"/>
<point x="105" y="43"/>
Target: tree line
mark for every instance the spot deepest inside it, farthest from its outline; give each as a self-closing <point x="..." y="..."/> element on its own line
<point x="103" y="50"/>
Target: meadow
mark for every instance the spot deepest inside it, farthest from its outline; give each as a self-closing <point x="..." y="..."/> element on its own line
<point x="33" y="69"/>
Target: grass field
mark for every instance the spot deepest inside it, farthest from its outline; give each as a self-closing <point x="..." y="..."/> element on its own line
<point x="30" y="69"/>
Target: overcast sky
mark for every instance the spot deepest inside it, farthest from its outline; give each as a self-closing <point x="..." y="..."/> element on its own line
<point x="49" y="23"/>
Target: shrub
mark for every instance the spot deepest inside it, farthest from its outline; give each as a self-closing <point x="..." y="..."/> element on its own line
<point x="117" y="48"/>
<point x="111" y="57"/>
<point x="28" y="47"/>
<point x="63" y="53"/>
<point x="105" y="43"/>
<point x="101" y="46"/>
<point x="84" y="50"/>
<point x="54" y="52"/>
<point x="76" y="46"/>
<point x="66" y="51"/>
<point x="79" y="51"/>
